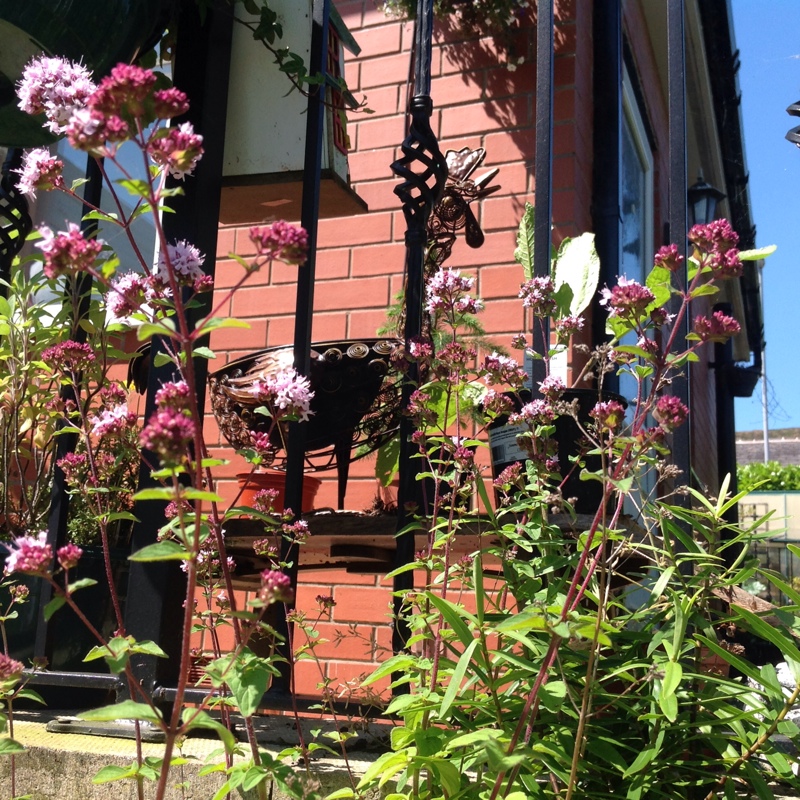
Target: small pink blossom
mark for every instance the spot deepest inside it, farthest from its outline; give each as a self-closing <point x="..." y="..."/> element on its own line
<point x="69" y="356"/>
<point x="568" y="326"/>
<point x="537" y="294"/>
<point x="287" y="391"/>
<point x="67" y="252"/>
<point x="10" y="669"/>
<point x="448" y="291"/>
<point x="670" y="412"/>
<point x="178" y="149"/>
<point x="185" y="261"/>
<point x="30" y="555"/>
<point x="86" y="130"/>
<point x="718" y="327"/>
<point x="669" y="257"/>
<point x="627" y="299"/>
<point x="552" y="387"/>
<point x="113" y="421"/>
<point x="716" y="243"/>
<point x="123" y="92"/>
<point x="281" y="241"/>
<point x="503" y="370"/>
<point x="56" y="88"/>
<point x="126" y="296"/>
<point x="174" y="395"/>
<point x="537" y="412"/>
<point x="168" y="433"/>
<point x="170" y="103"/>
<point x="40" y="170"/>
<point x="69" y="555"/>
<point x="276" y="587"/>
<point x="608" y="415"/>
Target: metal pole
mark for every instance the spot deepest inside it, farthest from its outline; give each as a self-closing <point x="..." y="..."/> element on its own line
<point x="676" y="70"/>
<point x="543" y="175"/>
<point x="418" y="192"/>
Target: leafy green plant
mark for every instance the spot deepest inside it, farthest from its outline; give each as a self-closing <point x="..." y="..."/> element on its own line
<point x="584" y="666"/>
<point x="771" y="476"/>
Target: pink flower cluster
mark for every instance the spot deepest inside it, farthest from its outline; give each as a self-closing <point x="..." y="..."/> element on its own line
<point x="670" y="412"/>
<point x="54" y="87"/>
<point x="718" y="327"/>
<point x="627" y="299"/>
<point x="170" y="430"/>
<point x="113" y="421"/>
<point x="286" y="392"/>
<point x="276" y="587"/>
<point x="537" y="412"/>
<point x="30" y="555"/>
<point x="178" y="149"/>
<point x="538" y="295"/>
<point x="669" y="257"/>
<point x="281" y="242"/>
<point x="608" y="415"/>
<point x="69" y="356"/>
<point x="10" y="669"/>
<point x="40" y="170"/>
<point x="69" y="555"/>
<point x="127" y="294"/>
<point x="67" y="252"/>
<point x="717" y="241"/>
<point x="503" y="370"/>
<point x="448" y="292"/>
<point x="186" y="262"/>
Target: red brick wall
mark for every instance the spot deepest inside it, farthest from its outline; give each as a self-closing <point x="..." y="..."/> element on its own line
<point x="477" y="102"/>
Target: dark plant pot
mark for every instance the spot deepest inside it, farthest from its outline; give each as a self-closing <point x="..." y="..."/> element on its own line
<point x="98" y="33"/>
<point x="68" y="640"/>
<point x="251" y="483"/>
<point x="587" y="495"/>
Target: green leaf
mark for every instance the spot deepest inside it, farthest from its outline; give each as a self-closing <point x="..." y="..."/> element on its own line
<point x="578" y="266"/>
<point x="53" y="606"/>
<point x="127" y="709"/>
<point x="757" y="254"/>
<point x="165" y="327"/>
<point x="200" y="719"/>
<point x="455" y="617"/>
<point x="454" y="687"/>
<point x="9" y="747"/>
<point x="156" y="493"/>
<point x="247" y="681"/>
<point x="208" y="325"/>
<point x="523" y="254"/>
<point x="203" y="352"/>
<point x="659" y="282"/>
<point x="191" y="493"/>
<point x="83" y="583"/>
<point x="161" y="551"/>
<point x="162" y="359"/>
<point x="113" y="773"/>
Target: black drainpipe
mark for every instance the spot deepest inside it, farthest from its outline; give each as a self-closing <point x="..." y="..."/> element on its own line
<point x="606" y="211"/>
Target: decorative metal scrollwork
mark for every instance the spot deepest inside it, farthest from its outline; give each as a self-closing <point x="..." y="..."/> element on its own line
<point x="15" y="221"/>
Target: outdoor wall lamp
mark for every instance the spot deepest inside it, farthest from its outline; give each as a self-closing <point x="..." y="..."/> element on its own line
<point x="703" y="199"/>
<point x="794" y="134"/>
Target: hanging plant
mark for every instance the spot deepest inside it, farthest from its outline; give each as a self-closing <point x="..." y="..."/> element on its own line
<point x="486" y="16"/>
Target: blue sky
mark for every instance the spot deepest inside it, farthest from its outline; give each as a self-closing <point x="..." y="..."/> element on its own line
<point x="768" y="37"/>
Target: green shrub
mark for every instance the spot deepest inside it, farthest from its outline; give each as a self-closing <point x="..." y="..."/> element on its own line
<point x="769" y="477"/>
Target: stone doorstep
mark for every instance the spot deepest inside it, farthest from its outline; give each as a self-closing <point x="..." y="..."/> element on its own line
<point x="60" y="766"/>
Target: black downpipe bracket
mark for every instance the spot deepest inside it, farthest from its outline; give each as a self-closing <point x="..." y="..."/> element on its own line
<point x="418" y="192"/>
<point x="606" y="208"/>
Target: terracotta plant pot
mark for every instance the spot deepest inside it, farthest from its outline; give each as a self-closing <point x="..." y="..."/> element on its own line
<point x="251" y="483"/>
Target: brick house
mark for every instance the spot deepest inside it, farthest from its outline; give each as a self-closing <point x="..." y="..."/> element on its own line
<point x="480" y="102"/>
<point x="611" y="174"/>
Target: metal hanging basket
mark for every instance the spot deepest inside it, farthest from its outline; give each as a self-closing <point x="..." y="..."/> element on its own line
<point x="356" y="404"/>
